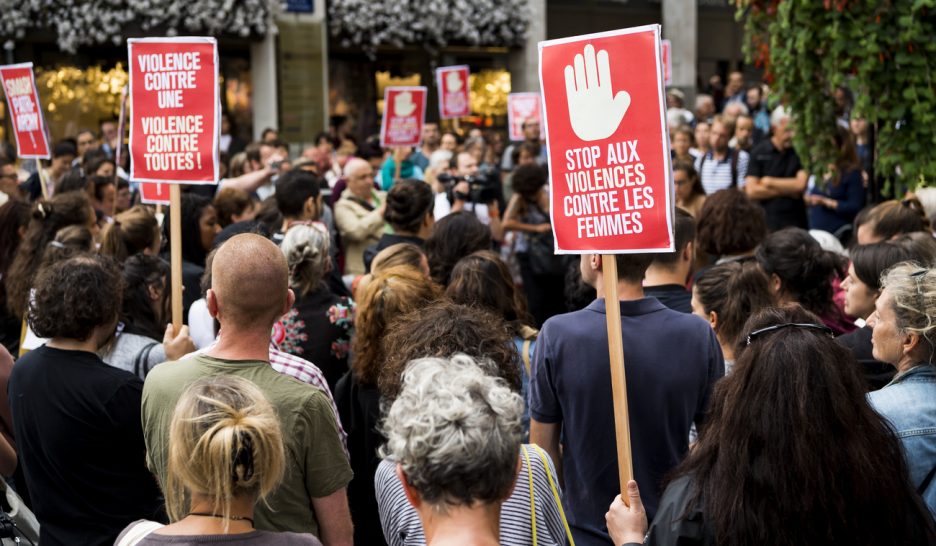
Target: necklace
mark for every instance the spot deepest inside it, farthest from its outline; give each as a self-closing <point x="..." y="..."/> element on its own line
<point x="232" y="518"/>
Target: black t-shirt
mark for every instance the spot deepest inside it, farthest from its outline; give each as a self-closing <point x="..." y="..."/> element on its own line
<point x="766" y="160"/>
<point x="877" y="374"/>
<point x="80" y="441"/>
<point x="674" y="296"/>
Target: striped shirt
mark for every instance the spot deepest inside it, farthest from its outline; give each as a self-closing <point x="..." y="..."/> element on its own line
<point x="302" y="370"/>
<point x="716" y="174"/>
<point x="402" y="527"/>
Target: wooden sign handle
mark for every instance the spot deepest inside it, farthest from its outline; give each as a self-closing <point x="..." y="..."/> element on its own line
<point x="175" y="242"/>
<point x="618" y="380"/>
<point x="42" y="179"/>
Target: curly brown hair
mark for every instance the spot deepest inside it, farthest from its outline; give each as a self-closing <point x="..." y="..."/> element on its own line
<point x="391" y="293"/>
<point x="730" y="224"/>
<point x="442" y="330"/>
<point x="75" y="296"/>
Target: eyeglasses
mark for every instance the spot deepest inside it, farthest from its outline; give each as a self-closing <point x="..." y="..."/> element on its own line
<point x="757" y="333"/>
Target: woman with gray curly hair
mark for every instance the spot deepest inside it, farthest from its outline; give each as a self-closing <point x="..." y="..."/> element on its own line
<point x="317" y="328"/>
<point x="904" y="335"/>
<point x="454" y="433"/>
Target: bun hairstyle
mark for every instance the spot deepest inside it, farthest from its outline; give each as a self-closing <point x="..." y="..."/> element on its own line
<point x="306" y="251"/>
<point x="132" y="232"/>
<point x="408" y="203"/>
<point x="804" y="268"/>
<point x="224" y="442"/>
<point x="892" y="218"/>
<point x="734" y="291"/>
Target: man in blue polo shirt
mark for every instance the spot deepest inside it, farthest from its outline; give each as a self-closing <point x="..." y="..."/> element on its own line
<point x="671" y="361"/>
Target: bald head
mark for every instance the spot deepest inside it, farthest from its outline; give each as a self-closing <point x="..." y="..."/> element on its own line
<point x="249" y="283"/>
<point x="360" y="177"/>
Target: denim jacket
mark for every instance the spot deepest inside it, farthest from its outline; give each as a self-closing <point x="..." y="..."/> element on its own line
<point x="909" y="404"/>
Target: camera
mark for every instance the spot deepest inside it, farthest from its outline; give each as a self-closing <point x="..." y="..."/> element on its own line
<point x="482" y="189"/>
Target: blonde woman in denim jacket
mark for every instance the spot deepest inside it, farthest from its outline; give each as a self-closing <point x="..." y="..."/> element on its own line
<point x="904" y="335"/>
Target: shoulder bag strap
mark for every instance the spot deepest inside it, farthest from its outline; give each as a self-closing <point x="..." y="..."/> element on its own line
<point x="525" y="355"/>
<point x="927" y="481"/>
<point x="140" y="360"/>
<point x="526" y="459"/>
<point x="734" y="167"/>
<point x="138" y="532"/>
<point x="555" y="490"/>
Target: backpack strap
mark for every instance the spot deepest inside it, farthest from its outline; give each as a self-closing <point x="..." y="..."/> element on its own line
<point x="926" y="481"/>
<point x="141" y="360"/>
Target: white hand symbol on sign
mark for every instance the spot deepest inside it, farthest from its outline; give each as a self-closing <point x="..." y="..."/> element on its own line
<point x="453" y="81"/>
<point x="403" y="104"/>
<point x="595" y="114"/>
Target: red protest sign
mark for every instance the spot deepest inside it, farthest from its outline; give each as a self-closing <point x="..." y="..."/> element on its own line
<point x="22" y="98"/>
<point x="174" y="110"/>
<point x="521" y="107"/>
<point x="403" y="116"/>
<point x="154" y="193"/>
<point x="452" y="82"/>
<point x="607" y="142"/>
<point x="667" y="62"/>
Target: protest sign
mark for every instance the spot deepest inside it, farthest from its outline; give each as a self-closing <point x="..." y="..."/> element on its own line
<point x="454" y="92"/>
<point x="667" y="62"/>
<point x="174" y="110"/>
<point x="403" y="116"/>
<point x="521" y="107"/>
<point x="22" y="98"/>
<point x="608" y="148"/>
<point x="154" y="193"/>
<point x="609" y="164"/>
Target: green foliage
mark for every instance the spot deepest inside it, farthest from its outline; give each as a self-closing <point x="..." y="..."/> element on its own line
<point x="883" y="50"/>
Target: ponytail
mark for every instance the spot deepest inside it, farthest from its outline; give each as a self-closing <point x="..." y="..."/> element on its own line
<point x="734" y="291"/>
<point x="132" y="232"/>
<point x="224" y="442"/>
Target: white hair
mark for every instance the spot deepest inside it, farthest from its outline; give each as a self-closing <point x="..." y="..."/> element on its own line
<point x="306" y="251"/>
<point x="439" y="159"/>
<point x="779" y="114"/>
<point x="455" y="430"/>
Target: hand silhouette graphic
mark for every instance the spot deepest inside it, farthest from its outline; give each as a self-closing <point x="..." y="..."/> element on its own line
<point x="403" y="104"/>
<point x="595" y="112"/>
<point x="453" y="82"/>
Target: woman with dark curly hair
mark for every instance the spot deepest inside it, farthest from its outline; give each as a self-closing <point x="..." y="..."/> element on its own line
<point x="800" y="271"/>
<point x="409" y="215"/>
<point x="390" y="294"/>
<point x="77" y="419"/>
<point x="729" y="226"/>
<point x="792" y="454"/>
<point x="454" y="237"/>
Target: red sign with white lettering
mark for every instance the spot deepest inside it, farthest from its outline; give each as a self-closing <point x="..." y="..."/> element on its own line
<point x="454" y="92"/>
<point x="25" y="110"/>
<point x="608" y="149"/>
<point x="520" y="108"/>
<point x="154" y="193"/>
<point x="404" y="113"/>
<point x="174" y="110"/>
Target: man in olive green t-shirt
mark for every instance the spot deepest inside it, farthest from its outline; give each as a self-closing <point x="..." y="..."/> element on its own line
<point x="249" y="292"/>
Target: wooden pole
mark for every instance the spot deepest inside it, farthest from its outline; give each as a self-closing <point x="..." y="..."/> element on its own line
<point x="42" y="179"/>
<point x="618" y="380"/>
<point x="175" y="242"/>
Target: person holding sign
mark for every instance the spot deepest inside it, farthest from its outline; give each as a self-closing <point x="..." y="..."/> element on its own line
<point x="672" y="361"/>
<point x="793" y="454"/>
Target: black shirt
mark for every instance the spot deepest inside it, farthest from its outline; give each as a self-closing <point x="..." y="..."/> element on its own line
<point x="877" y="374"/>
<point x="674" y="296"/>
<point x="766" y="160"/>
<point x="80" y="441"/>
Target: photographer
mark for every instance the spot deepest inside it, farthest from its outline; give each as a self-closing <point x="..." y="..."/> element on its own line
<point x="467" y="189"/>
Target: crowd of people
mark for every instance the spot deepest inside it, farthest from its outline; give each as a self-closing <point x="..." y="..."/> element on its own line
<point x="380" y="347"/>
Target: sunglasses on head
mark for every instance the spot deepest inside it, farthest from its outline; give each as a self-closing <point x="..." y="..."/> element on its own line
<point x="763" y="331"/>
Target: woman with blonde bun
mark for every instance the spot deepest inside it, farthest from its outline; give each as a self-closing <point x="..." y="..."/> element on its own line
<point x="225" y="454"/>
